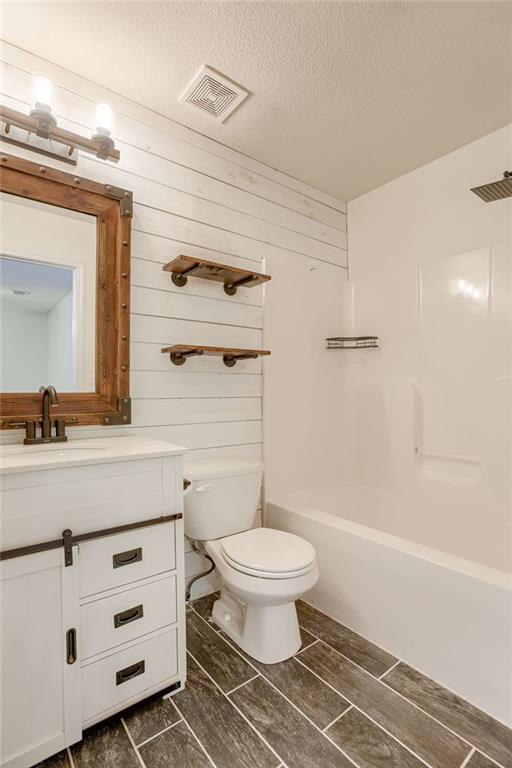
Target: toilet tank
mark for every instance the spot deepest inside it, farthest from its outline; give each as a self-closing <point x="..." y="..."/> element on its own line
<point x="222" y="497"/>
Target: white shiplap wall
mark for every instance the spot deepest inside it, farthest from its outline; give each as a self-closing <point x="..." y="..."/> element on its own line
<point x="194" y="196"/>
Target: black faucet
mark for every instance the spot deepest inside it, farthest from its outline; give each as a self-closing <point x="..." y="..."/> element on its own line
<point x="50" y="398"/>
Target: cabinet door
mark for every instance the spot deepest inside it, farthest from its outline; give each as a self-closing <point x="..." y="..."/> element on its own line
<point x="40" y="684"/>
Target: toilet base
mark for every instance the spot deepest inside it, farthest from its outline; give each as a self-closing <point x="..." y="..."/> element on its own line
<point x="269" y="634"/>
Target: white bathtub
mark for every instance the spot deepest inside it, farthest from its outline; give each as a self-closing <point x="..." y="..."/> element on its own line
<point x="449" y="617"/>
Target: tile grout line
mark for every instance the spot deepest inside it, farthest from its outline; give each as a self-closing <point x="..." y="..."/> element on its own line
<point x="468" y="758"/>
<point x="201" y="745"/>
<point x="381" y="677"/>
<point x="383" y="682"/>
<point x="303" y="648"/>
<point x="354" y="706"/>
<point x="462" y="738"/>
<point x="168" y="728"/>
<point x="321" y="640"/>
<point x="137" y="753"/>
<point x="235" y="649"/>
<point x="351" y="706"/>
<point x="412" y="703"/>
<point x="345" y="626"/>
<point x="286" y="699"/>
<point x="358" y="634"/>
<point x="238" y="710"/>
<point x="70" y="758"/>
<point x="242" y="684"/>
<point x="315" y="726"/>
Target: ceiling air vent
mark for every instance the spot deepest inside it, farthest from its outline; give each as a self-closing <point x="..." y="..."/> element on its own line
<point x="214" y="94"/>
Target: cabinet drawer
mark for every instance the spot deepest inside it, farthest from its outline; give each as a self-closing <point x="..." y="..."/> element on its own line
<point x="137" y="611"/>
<point x="125" y="557"/>
<point x="125" y="674"/>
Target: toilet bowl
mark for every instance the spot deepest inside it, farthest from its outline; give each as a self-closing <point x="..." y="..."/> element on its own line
<point x="262" y="570"/>
<point x="256" y="608"/>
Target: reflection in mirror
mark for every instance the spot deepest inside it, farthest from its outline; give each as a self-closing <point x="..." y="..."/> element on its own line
<point x="47" y="296"/>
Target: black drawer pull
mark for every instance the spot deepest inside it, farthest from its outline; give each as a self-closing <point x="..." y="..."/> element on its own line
<point x="71" y="652"/>
<point x="126" y="617"/>
<point x="127" y="558"/>
<point x="128" y="673"/>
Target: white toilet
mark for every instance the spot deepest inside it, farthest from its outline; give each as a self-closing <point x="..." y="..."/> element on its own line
<point x="262" y="570"/>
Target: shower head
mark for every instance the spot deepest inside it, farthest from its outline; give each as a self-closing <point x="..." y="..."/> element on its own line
<point x="496" y="190"/>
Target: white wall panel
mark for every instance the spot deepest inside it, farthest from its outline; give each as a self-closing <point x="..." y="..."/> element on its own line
<point x="162" y="249"/>
<point x="148" y="301"/>
<point x="191" y="436"/>
<point x="195" y="410"/>
<point x="167" y="331"/>
<point x="179" y="383"/>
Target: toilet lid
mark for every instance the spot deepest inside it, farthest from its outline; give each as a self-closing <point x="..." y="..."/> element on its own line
<point x="268" y="553"/>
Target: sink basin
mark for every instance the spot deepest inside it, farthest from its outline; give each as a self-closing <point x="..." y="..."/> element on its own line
<point x="26" y="458"/>
<point x="61" y="449"/>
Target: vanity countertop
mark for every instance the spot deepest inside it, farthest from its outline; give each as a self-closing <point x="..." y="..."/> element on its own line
<point x="29" y="458"/>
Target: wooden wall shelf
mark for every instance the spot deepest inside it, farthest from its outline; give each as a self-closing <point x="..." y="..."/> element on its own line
<point x="183" y="267"/>
<point x="180" y="352"/>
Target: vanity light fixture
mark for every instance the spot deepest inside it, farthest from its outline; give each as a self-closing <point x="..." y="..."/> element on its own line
<point x="102" y="135"/>
<point x="42" y="103"/>
<point x="39" y="132"/>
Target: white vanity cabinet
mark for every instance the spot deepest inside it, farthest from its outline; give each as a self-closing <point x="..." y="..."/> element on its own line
<point x="41" y="707"/>
<point x="92" y="621"/>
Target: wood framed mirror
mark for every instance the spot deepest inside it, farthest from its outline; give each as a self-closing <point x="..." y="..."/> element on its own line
<point x="65" y="295"/>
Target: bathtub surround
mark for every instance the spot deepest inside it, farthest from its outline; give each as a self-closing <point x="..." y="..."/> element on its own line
<point x="320" y="709"/>
<point x="413" y="528"/>
<point x="197" y="197"/>
<point x="439" y="294"/>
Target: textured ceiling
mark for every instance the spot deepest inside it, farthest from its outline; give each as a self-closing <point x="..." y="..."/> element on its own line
<point x="346" y="95"/>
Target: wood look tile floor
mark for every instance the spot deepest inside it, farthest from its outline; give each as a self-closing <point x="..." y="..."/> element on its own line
<point x="341" y="702"/>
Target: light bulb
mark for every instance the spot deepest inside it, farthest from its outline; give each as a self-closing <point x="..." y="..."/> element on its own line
<point x="104" y="119"/>
<point x="42" y="93"/>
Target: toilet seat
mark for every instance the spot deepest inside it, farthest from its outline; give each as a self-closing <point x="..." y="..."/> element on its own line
<point x="268" y="553"/>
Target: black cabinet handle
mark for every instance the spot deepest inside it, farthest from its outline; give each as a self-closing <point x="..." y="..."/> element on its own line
<point x="126" y="617"/>
<point x="128" y="673"/>
<point x="127" y="558"/>
<point x="71" y="652"/>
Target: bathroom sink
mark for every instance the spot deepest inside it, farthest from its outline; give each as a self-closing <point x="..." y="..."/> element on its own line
<point x="26" y="458"/>
<point x="61" y="449"/>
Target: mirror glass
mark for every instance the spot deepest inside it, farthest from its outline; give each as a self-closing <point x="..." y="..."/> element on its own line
<point x="47" y="297"/>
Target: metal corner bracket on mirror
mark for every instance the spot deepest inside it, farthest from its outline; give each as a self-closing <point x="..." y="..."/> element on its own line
<point x="123" y="415"/>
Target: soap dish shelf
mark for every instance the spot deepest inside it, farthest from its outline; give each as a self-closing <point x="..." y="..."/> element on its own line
<point x="353" y="342"/>
<point x="184" y="267"/>
<point x="179" y="353"/>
